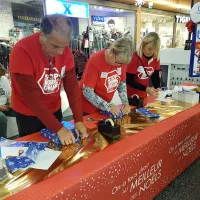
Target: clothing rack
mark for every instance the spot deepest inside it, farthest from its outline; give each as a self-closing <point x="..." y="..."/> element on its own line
<point x="80" y="60"/>
<point x="4" y="53"/>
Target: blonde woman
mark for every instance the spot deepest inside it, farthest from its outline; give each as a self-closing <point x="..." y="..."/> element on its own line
<point x="104" y="74"/>
<point x="145" y="66"/>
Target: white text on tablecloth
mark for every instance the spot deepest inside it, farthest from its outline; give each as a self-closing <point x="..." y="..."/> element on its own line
<point x="141" y="180"/>
<point x="184" y="147"/>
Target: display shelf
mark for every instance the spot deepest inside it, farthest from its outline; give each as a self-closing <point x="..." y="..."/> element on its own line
<point x="177" y="61"/>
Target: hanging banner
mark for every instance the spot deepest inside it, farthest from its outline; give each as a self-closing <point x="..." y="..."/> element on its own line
<point x="70" y="9"/>
<point x="195" y="53"/>
<point x="195" y="50"/>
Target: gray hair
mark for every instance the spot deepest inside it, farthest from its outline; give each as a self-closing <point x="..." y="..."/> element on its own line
<point x="57" y="23"/>
<point x="124" y="47"/>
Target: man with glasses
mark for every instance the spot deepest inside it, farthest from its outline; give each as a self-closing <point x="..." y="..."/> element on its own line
<point x="39" y="64"/>
<point x="105" y="73"/>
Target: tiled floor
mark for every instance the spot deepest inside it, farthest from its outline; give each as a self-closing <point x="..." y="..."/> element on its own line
<point x="184" y="187"/>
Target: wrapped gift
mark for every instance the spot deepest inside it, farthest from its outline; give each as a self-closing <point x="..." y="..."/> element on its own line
<point x="109" y="114"/>
<point x="147" y="113"/>
<point x="50" y="135"/>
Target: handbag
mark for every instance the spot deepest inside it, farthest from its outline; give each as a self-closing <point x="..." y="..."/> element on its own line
<point x="136" y="101"/>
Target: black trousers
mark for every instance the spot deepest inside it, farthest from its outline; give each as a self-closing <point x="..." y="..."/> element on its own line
<point x="31" y="124"/>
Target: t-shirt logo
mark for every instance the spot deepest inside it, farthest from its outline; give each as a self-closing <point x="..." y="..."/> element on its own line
<point x="2" y="92"/>
<point x="50" y="81"/>
<point x="142" y="73"/>
<point x="112" y="81"/>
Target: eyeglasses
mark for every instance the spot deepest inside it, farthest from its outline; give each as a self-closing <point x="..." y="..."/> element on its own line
<point x="116" y="60"/>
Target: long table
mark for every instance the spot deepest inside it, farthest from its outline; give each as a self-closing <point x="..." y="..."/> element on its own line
<point x="138" y="167"/>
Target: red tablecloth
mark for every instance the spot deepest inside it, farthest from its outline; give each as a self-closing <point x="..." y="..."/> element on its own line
<point x="138" y="167"/>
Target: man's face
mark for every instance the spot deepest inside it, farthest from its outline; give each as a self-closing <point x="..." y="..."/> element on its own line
<point x="111" y="26"/>
<point x="54" y="44"/>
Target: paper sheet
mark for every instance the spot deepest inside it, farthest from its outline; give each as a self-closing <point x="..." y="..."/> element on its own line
<point x="44" y="160"/>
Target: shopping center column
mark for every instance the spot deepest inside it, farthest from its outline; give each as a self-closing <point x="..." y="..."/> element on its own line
<point x="138" y="27"/>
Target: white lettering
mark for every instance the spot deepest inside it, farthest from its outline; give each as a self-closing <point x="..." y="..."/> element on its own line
<point x="181" y="19"/>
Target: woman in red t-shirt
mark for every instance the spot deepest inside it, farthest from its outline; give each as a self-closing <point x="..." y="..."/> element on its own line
<point x="145" y="66"/>
<point x="105" y="73"/>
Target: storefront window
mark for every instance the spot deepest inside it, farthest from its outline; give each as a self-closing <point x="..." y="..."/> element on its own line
<point x="181" y="30"/>
<point x="109" y="24"/>
<point x="161" y="24"/>
<point x="26" y="19"/>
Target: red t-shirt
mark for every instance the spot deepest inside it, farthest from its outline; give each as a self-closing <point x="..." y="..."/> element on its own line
<point x="103" y="78"/>
<point x="28" y="58"/>
<point x="135" y="67"/>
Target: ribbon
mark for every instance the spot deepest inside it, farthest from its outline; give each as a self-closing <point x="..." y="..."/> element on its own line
<point x="190" y="26"/>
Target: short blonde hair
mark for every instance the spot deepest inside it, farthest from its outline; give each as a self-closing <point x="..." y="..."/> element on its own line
<point x="123" y="46"/>
<point x="150" y="38"/>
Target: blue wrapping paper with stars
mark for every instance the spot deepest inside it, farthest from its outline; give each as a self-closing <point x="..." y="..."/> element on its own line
<point x="26" y="159"/>
<point x="50" y="135"/>
<point x="147" y="113"/>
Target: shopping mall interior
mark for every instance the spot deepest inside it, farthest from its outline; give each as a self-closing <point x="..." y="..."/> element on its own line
<point x="150" y="149"/>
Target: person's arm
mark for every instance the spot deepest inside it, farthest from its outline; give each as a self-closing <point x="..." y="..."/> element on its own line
<point x="73" y="93"/>
<point x="130" y="80"/>
<point x="123" y="92"/>
<point x="30" y="93"/>
<point x="94" y="99"/>
<point x="155" y="79"/>
<point x="8" y="89"/>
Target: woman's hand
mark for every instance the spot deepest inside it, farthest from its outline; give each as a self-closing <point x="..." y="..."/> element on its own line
<point x="126" y="109"/>
<point x="152" y="91"/>
<point x="4" y="108"/>
<point x="114" y="110"/>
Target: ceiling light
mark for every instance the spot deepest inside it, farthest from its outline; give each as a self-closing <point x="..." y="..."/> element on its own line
<point x="117" y="10"/>
<point x="175" y="5"/>
<point x="121" y="10"/>
<point x="100" y="7"/>
<point x="95" y="6"/>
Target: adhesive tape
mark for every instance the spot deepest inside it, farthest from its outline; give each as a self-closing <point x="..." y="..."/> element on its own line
<point x="111" y="122"/>
<point x="135" y="95"/>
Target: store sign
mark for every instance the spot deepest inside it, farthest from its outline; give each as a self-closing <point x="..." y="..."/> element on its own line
<point x="70" y="9"/>
<point x="181" y="19"/>
<point x="195" y="13"/>
<point x="22" y="12"/>
<point x="98" y="20"/>
<point x="26" y="18"/>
